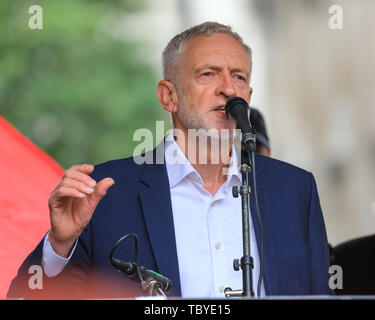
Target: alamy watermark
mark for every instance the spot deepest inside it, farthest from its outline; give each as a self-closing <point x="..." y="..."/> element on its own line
<point x="336" y="279"/>
<point x="336" y="19"/>
<point x="199" y="146"/>
<point x="36" y="280"/>
<point x="36" y="19"/>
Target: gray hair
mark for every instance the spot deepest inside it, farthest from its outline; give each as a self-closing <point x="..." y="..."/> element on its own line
<point x="174" y="48"/>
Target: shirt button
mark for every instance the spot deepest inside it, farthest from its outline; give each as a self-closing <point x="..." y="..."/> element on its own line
<point x="217" y="245"/>
<point x="213" y="204"/>
<point x="222" y="288"/>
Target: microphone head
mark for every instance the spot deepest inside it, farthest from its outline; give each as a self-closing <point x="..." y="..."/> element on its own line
<point x="237" y="109"/>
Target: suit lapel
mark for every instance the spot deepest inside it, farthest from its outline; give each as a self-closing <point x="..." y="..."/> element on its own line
<point x="157" y="211"/>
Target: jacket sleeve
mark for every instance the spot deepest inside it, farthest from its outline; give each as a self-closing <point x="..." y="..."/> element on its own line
<point x="319" y="250"/>
<point x="31" y="282"/>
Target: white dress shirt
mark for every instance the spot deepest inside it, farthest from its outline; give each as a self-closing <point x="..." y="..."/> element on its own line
<point x="208" y="230"/>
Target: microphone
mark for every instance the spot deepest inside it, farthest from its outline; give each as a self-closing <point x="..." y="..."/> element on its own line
<point x="155" y="282"/>
<point x="139" y="273"/>
<point x="237" y="109"/>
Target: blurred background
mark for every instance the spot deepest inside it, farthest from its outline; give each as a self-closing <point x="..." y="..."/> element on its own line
<point x="81" y="86"/>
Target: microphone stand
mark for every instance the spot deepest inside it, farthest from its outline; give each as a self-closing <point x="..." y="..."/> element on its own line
<point x="155" y="289"/>
<point x="237" y="109"/>
<point x="247" y="261"/>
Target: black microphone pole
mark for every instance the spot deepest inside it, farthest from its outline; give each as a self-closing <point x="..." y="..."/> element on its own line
<point x="247" y="262"/>
<point x="236" y="109"/>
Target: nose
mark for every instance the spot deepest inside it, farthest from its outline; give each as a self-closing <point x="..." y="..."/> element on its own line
<point x="226" y="86"/>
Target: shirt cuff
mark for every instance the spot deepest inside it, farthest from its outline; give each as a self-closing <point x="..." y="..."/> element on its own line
<point x="52" y="263"/>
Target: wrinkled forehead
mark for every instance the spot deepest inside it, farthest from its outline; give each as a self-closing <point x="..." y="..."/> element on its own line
<point x="203" y="49"/>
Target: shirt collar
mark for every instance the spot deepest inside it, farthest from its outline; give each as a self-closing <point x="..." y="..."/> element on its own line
<point x="178" y="167"/>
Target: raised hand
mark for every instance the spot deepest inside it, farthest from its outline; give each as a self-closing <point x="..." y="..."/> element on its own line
<point x="72" y="204"/>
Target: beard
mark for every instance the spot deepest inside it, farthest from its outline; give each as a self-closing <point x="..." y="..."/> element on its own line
<point x="189" y="114"/>
<point x="193" y="120"/>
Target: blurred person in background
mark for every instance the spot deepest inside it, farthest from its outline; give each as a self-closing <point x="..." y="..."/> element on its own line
<point x="357" y="259"/>
<point x="262" y="140"/>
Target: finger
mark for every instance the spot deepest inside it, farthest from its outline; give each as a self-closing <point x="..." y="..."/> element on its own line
<point x="81" y="187"/>
<point x="64" y="192"/>
<point x="81" y="177"/>
<point x="84" y="168"/>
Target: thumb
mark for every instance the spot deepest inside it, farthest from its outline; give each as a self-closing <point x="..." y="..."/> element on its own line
<point x="102" y="187"/>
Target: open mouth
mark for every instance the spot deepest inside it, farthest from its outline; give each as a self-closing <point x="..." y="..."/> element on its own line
<point x="221" y="110"/>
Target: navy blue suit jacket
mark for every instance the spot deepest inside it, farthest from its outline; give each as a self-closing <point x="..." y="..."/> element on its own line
<point x="296" y="257"/>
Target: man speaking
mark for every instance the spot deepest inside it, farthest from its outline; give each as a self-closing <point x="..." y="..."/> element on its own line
<point x="187" y="221"/>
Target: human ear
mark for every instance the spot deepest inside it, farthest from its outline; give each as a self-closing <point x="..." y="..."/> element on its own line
<point x="250" y="93"/>
<point x="167" y="95"/>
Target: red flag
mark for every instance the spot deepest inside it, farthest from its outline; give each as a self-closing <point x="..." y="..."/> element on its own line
<point x="27" y="177"/>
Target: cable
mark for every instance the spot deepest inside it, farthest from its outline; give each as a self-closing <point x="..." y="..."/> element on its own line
<point x="121" y="240"/>
<point x="134" y="265"/>
<point x="149" y="280"/>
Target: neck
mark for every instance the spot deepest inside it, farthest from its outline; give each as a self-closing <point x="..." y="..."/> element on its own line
<point x="209" y="156"/>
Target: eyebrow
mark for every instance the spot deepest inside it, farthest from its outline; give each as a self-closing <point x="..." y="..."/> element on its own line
<point x="217" y="68"/>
